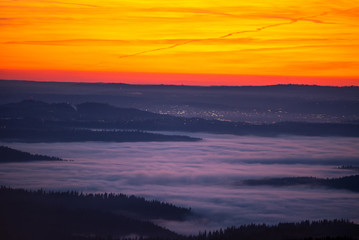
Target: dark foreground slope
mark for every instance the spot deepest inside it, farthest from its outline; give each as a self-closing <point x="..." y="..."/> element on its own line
<point x="64" y="215"/>
<point x="70" y="215"/>
<point x="305" y="230"/>
<point x="336" y="229"/>
<point x="12" y="155"/>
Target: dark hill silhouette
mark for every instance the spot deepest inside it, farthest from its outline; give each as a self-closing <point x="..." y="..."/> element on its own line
<point x="72" y="215"/>
<point x="130" y="206"/>
<point x="34" y="121"/>
<point x="59" y="134"/>
<point x="30" y="109"/>
<point x="99" y="111"/>
<point x="12" y="155"/>
<point x="349" y="182"/>
<point x="67" y="215"/>
<point x="329" y="230"/>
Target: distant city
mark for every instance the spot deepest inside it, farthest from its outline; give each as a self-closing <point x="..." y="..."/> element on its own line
<point x="254" y="116"/>
<point x="254" y="105"/>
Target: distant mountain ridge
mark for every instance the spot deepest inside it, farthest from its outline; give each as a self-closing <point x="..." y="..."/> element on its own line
<point x="35" y="121"/>
<point x="252" y="104"/>
<point x="32" y="115"/>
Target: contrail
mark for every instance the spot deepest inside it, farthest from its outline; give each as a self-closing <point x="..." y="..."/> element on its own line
<point x="78" y="4"/>
<point x="294" y="20"/>
<point x="258" y="29"/>
<point x="160" y="49"/>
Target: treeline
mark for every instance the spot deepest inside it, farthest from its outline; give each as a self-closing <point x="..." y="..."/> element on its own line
<point x="349" y="167"/>
<point x="132" y="206"/>
<point x="58" y="134"/>
<point x="12" y="155"/>
<point x="45" y="215"/>
<point x="305" y="230"/>
<point x="347" y="182"/>
<point x="336" y="229"/>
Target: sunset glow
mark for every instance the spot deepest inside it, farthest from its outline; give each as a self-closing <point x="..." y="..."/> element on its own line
<point x="194" y="42"/>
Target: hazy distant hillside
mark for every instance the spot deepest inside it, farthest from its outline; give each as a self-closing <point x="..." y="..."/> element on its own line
<point x="34" y="121"/>
<point x="38" y="121"/>
<point x="246" y="104"/>
<point x="30" y="109"/>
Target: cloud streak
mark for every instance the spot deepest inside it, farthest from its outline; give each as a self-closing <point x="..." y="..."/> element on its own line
<point x="178" y="35"/>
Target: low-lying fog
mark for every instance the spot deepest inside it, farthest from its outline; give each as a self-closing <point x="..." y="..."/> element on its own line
<point x="202" y="175"/>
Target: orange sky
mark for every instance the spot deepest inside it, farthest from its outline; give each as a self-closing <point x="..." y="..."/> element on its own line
<point x="197" y="42"/>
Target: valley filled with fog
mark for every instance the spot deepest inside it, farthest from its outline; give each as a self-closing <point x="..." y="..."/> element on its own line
<point x="205" y="176"/>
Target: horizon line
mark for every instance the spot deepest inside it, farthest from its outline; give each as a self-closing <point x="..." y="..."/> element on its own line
<point x="180" y="85"/>
<point x="178" y="79"/>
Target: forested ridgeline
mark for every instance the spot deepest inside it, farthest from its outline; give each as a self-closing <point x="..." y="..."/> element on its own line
<point x="71" y="215"/>
<point x="305" y="230"/>
<point x="59" y="134"/>
<point x="131" y="206"/>
<point x="66" y="215"/>
<point x="348" y="182"/>
<point x="12" y="155"/>
<point x="335" y="229"/>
